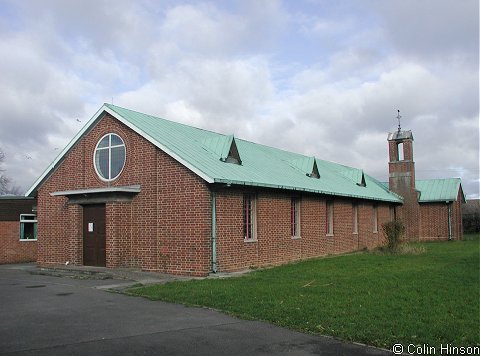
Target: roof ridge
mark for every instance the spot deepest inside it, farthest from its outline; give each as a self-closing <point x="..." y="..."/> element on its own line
<point x="111" y="106"/>
<point x="450" y="178"/>
<point x="297" y="153"/>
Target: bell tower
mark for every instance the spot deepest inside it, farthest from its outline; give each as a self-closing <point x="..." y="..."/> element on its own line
<point x="401" y="168"/>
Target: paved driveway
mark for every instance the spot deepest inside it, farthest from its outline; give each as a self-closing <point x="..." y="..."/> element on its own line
<point x="44" y="315"/>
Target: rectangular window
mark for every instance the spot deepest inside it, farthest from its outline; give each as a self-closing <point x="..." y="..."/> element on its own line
<point x="330" y="217"/>
<point x="355" y="218"/>
<point x="375" y="218"/>
<point x="295" y="217"/>
<point x="249" y="217"/>
<point x="28" y="227"/>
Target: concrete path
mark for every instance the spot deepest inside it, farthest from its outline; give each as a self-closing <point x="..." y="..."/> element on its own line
<point x="47" y="315"/>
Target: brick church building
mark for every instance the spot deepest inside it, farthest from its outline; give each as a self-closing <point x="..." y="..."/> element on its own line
<point x="134" y="190"/>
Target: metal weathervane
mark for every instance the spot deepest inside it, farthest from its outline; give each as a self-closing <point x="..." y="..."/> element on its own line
<point x="399" y="117"/>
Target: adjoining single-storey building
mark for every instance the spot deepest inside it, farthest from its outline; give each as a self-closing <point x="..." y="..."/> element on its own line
<point x="18" y="229"/>
<point x="134" y="190"/>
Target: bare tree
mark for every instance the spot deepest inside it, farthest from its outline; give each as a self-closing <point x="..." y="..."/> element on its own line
<point x="14" y="190"/>
<point x="6" y="184"/>
<point x="4" y="180"/>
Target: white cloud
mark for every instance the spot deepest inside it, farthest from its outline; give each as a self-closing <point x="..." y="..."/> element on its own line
<point x="347" y="119"/>
<point x="320" y="78"/>
<point x="213" y="94"/>
<point x="202" y="29"/>
<point x="432" y="30"/>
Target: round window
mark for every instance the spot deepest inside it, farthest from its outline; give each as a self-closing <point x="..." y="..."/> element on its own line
<point x="109" y="157"/>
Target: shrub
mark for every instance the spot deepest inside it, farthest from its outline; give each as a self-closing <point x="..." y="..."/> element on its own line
<point x="393" y="230"/>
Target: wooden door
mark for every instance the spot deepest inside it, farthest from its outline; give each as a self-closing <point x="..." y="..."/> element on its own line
<point x="94" y="251"/>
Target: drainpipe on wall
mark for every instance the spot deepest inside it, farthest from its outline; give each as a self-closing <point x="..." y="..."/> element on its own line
<point x="449" y="204"/>
<point x="214" y="232"/>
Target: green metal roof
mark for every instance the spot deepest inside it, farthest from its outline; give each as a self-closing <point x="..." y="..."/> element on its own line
<point x="261" y="165"/>
<point x="433" y="190"/>
<point x="204" y="152"/>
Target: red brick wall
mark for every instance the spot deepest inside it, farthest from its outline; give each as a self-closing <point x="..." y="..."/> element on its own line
<point x="161" y="229"/>
<point x="434" y="220"/>
<point x="275" y="244"/>
<point x="409" y="214"/>
<point x="184" y="230"/>
<point x="12" y="250"/>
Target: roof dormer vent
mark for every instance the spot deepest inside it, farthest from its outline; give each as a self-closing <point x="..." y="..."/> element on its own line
<point x="315" y="173"/>
<point x="233" y="156"/>
<point x="307" y="165"/>
<point x="224" y="147"/>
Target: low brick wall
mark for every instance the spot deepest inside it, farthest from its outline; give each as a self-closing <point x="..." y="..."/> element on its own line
<point x="12" y="250"/>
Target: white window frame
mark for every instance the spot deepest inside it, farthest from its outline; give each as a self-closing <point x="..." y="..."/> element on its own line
<point x="24" y="221"/>
<point x="251" y="217"/>
<point x="329" y="220"/>
<point x="375" y="219"/>
<point x="109" y="148"/>
<point x="295" y="217"/>
<point x="355" y="218"/>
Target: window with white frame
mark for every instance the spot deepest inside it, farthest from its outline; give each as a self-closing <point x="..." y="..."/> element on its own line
<point x="329" y="224"/>
<point x="28" y="227"/>
<point x="109" y="157"/>
<point x="375" y="218"/>
<point x="250" y="216"/>
<point x="355" y="218"/>
<point x="295" y="217"/>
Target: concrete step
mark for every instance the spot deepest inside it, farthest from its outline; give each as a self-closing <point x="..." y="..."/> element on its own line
<point x="77" y="273"/>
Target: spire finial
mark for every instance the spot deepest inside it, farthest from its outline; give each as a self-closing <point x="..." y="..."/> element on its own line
<point x="399" y="117"/>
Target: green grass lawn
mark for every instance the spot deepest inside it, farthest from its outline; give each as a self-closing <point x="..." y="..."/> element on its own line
<point x="371" y="298"/>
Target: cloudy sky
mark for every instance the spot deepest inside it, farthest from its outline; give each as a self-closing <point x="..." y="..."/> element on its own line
<point x="324" y="78"/>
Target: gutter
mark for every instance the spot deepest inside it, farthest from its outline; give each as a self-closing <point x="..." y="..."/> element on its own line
<point x="214" y="232"/>
<point x="309" y="190"/>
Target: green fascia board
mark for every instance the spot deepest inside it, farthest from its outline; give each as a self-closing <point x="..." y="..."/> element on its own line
<point x="436" y="190"/>
<point x="262" y="166"/>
